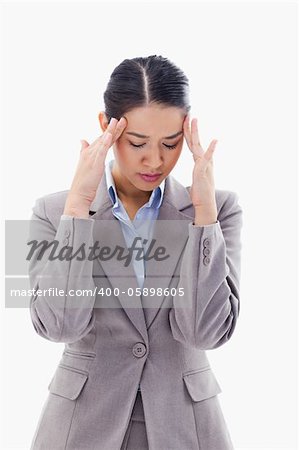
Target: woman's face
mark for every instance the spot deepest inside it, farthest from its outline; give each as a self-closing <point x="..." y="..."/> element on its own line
<point x="151" y="143"/>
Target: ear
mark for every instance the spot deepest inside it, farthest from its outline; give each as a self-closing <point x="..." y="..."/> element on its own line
<point x="103" y="120"/>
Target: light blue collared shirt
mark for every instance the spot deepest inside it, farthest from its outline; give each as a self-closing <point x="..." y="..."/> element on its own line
<point x="142" y="224"/>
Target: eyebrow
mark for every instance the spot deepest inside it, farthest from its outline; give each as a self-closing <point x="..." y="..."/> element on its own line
<point x="146" y="137"/>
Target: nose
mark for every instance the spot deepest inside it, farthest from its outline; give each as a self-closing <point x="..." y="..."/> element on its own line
<point x="153" y="160"/>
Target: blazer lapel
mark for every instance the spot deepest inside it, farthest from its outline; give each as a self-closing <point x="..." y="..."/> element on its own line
<point x="171" y="233"/>
<point x="168" y="234"/>
<point x="108" y="233"/>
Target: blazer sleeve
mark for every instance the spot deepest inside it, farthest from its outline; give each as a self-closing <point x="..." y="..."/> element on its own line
<point x="206" y="315"/>
<point x="57" y="313"/>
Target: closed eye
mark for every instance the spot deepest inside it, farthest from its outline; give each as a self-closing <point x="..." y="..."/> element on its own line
<point x="142" y="145"/>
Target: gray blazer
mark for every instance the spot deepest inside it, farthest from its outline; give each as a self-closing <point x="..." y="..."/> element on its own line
<point x="115" y="342"/>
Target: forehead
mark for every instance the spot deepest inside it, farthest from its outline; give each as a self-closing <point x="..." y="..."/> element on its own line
<point x="155" y="120"/>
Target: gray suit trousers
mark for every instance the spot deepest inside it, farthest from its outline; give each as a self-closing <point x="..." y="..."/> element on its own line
<point x="135" y="437"/>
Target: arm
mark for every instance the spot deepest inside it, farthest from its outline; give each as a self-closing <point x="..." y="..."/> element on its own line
<point x="205" y="317"/>
<point x="61" y="318"/>
<point x="69" y="318"/>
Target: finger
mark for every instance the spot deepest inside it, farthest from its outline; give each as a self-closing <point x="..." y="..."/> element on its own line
<point x="197" y="148"/>
<point x="84" y="144"/>
<point x="187" y="133"/>
<point x="188" y="137"/>
<point x="122" y="124"/>
<point x="115" y="128"/>
<point x="97" y="144"/>
<point x="112" y="126"/>
<point x="210" y="151"/>
<point x="110" y="129"/>
<point x="206" y="163"/>
<point x="103" y="148"/>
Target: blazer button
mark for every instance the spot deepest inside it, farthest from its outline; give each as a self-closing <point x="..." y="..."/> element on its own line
<point x="67" y="234"/>
<point x="206" y="260"/>
<point x="206" y="242"/>
<point x="206" y="251"/>
<point x="139" y="350"/>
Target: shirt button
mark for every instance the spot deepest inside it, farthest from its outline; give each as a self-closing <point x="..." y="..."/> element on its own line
<point x="139" y="350"/>
<point x="206" y="251"/>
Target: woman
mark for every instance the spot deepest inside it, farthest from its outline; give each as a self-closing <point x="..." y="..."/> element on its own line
<point x="134" y="373"/>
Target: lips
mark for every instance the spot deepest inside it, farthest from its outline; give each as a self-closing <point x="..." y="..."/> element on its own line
<point x="151" y="174"/>
<point x="150" y="177"/>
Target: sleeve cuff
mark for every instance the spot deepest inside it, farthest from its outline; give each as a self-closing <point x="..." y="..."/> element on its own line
<point x="66" y="217"/>
<point x="204" y="226"/>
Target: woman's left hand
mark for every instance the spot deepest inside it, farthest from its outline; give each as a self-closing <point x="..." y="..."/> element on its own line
<point x="203" y="186"/>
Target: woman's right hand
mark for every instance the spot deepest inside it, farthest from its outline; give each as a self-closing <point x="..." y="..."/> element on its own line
<point x="90" y="170"/>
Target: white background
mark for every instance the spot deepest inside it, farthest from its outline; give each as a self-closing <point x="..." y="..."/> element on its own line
<point x="240" y="58"/>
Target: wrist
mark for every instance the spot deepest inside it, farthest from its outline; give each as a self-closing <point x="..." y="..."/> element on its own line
<point x="76" y="206"/>
<point x="76" y="213"/>
<point x="205" y="215"/>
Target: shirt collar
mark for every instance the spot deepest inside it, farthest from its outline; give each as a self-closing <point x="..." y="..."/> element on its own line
<point x="154" y="201"/>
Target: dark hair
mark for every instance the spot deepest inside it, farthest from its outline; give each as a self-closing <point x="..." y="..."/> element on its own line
<point x="141" y="81"/>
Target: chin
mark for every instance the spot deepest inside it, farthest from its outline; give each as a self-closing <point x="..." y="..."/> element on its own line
<point x="145" y="187"/>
